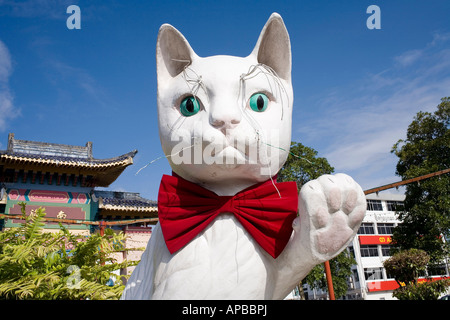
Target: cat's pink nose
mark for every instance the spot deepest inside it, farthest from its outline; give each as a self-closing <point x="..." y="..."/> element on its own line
<point x="225" y="124"/>
<point x="224" y="121"/>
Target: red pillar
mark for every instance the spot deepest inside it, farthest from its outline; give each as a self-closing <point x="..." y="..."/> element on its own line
<point x="329" y="279"/>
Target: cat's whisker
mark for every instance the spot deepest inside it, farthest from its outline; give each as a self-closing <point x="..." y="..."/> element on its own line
<point x="180" y="119"/>
<point x="258" y="129"/>
<point x="194" y="82"/>
<point x="163" y="157"/>
<point x="293" y="154"/>
<point x="267" y="71"/>
<point x="274" y="185"/>
<point x="254" y="71"/>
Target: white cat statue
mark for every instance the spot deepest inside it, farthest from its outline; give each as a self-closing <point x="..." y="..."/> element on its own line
<point x="227" y="229"/>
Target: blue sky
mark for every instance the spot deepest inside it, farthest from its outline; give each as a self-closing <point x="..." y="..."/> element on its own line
<point x="355" y="89"/>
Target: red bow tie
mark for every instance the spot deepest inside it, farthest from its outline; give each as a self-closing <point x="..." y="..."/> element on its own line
<point x="185" y="209"/>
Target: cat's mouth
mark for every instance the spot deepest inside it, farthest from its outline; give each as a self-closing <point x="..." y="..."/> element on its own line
<point x="230" y="155"/>
<point x="227" y="151"/>
<point x="233" y="150"/>
<point x="220" y="151"/>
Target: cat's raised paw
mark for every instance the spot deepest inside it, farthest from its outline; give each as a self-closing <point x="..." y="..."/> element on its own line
<point x="332" y="208"/>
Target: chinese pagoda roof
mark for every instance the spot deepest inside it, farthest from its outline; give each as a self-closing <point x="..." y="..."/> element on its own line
<point x="125" y="201"/>
<point x="43" y="156"/>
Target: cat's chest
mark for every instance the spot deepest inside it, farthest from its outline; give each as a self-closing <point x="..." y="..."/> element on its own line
<point x="227" y="236"/>
<point x="224" y="254"/>
<point x="223" y="244"/>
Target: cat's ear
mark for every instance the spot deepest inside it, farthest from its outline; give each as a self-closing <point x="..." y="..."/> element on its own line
<point x="274" y="47"/>
<point x="173" y="52"/>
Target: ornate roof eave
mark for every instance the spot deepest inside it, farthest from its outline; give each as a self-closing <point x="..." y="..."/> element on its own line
<point x="95" y="164"/>
<point x="149" y="208"/>
<point x="126" y="209"/>
<point x="104" y="171"/>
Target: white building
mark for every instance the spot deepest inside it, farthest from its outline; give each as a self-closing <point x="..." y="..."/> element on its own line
<point x="370" y="248"/>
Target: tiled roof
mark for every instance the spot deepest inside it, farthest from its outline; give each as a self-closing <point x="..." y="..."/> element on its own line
<point x="52" y="157"/>
<point x="57" y="160"/>
<point x="32" y="152"/>
<point x="125" y="201"/>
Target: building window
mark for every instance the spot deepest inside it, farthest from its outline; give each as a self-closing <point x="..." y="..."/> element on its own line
<point x="366" y="228"/>
<point x="385" y="251"/>
<point x="351" y="251"/>
<point x="374" y="205"/>
<point x="373" y="273"/>
<point x="369" y="251"/>
<point x="437" y="270"/>
<point x="394" y="205"/>
<point x="385" y="228"/>
<point x="356" y="275"/>
<point x="389" y="276"/>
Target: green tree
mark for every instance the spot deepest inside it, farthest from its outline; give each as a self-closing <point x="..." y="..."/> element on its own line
<point x="405" y="266"/>
<point x="426" y="215"/>
<point x="340" y="271"/>
<point x="303" y="165"/>
<point x="45" y="266"/>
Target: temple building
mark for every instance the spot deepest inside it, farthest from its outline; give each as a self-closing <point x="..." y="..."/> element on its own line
<point x="63" y="179"/>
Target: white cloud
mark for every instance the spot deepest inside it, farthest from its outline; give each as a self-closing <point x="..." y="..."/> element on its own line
<point x="5" y="63"/>
<point x="439" y="38"/>
<point x="409" y="57"/>
<point x="363" y="122"/>
<point x="7" y="110"/>
<point x="70" y="80"/>
<point x="54" y="9"/>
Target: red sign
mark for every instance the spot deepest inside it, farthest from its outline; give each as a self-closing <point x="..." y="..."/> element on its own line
<point x="48" y="196"/>
<point x="386" y="285"/>
<point x="389" y="285"/>
<point x="51" y="212"/>
<point x="375" y="239"/>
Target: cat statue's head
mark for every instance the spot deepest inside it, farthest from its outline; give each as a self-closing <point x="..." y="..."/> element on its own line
<point x="225" y="121"/>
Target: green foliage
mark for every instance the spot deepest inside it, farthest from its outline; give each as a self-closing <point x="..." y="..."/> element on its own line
<point x="340" y="272"/>
<point x="426" y="215"/>
<point x="42" y="266"/>
<point x="427" y="205"/>
<point x="405" y="267"/>
<point x="422" y="291"/>
<point x="303" y="165"/>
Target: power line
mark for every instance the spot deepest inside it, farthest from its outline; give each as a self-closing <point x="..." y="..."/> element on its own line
<point x="86" y="222"/>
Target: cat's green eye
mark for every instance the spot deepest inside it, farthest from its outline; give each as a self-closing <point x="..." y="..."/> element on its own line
<point x="189" y="106"/>
<point x="259" y="102"/>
